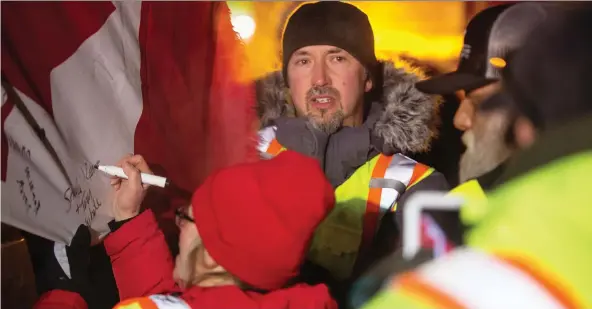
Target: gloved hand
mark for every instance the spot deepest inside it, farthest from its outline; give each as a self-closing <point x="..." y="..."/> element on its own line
<point x="61" y="267"/>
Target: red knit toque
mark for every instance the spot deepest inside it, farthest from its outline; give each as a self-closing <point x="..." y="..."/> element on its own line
<point x="257" y="220"/>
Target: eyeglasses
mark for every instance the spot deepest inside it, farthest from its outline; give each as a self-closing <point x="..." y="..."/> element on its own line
<point x="180" y="214"/>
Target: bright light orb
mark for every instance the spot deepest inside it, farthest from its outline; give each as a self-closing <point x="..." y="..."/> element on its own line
<point x="244" y="25"/>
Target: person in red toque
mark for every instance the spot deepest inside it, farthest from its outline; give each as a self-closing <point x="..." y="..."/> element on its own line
<point x="242" y="239"/>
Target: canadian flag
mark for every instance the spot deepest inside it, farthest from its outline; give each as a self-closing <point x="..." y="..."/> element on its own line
<point x="103" y="79"/>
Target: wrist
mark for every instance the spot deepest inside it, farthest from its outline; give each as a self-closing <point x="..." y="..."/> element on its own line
<point x="115" y="225"/>
<point x="124" y="216"/>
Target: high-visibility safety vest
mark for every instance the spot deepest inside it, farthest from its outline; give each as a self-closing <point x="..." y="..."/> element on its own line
<point x="360" y="203"/>
<point x="535" y="230"/>
<point x="157" y="301"/>
<point x="469" y="278"/>
<point x="471" y="190"/>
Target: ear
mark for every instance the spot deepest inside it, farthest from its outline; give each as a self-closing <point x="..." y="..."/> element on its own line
<point x="524" y="132"/>
<point x="368" y="85"/>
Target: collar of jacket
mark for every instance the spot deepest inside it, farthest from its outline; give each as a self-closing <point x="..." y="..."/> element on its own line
<point x="488" y="181"/>
<point x="551" y="145"/>
<point x="407" y="119"/>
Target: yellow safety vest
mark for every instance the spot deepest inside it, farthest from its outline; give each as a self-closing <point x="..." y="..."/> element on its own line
<point x="525" y="252"/>
<point x="360" y="203"/>
<point x="470" y="190"/>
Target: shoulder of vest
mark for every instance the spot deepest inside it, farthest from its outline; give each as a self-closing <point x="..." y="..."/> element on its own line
<point x="267" y="134"/>
<point x="267" y="145"/>
<point x="419" y="171"/>
<point x="466" y="278"/>
<point x="157" y="301"/>
<point x="405" y="158"/>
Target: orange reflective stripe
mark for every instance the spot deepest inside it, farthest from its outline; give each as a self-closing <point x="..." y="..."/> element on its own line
<point x="418" y="171"/>
<point x="373" y="203"/>
<point x="546" y="280"/>
<point x="414" y="285"/>
<point x="136" y="303"/>
<point x="274" y="147"/>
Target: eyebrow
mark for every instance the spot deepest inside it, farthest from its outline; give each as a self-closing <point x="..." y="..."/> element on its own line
<point x="329" y="52"/>
<point x="334" y="51"/>
<point x="301" y="53"/>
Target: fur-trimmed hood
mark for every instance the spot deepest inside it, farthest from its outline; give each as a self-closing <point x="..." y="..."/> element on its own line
<point x="408" y="120"/>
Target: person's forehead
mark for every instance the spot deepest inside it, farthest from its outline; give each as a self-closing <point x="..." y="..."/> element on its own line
<point x="318" y="50"/>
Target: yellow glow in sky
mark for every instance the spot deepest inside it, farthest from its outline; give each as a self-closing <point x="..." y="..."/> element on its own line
<point x="431" y="31"/>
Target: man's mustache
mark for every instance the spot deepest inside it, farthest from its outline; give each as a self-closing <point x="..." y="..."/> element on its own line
<point x="322" y="90"/>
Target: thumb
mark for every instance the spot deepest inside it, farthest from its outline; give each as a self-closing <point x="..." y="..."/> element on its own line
<point x="133" y="175"/>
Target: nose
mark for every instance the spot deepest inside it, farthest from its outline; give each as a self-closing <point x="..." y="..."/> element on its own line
<point x="319" y="75"/>
<point x="463" y="118"/>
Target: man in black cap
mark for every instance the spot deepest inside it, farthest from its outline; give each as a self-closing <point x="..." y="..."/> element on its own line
<point x="334" y="101"/>
<point x="529" y="242"/>
<point x="490" y="38"/>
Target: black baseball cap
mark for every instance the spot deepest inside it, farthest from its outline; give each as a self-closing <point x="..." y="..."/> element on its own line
<point x="490" y="37"/>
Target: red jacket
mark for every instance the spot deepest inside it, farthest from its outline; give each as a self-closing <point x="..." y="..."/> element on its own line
<point x="143" y="265"/>
<point x="58" y="299"/>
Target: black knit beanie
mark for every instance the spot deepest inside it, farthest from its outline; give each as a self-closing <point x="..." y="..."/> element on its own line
<point x="330" y="23"/>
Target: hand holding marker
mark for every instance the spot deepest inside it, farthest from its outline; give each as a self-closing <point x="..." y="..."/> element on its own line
<point x="146" y="178"/>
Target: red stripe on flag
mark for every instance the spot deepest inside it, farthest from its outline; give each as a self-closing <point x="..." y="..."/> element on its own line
<point x="195" y="116"/>
<point x="38" y="36"/>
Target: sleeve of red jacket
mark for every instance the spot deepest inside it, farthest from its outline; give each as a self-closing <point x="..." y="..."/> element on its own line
<point x="141" y="260"/>
<point x="59" y="299"/>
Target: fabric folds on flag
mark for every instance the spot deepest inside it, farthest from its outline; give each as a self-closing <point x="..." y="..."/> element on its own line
<point x="104" y="79"/>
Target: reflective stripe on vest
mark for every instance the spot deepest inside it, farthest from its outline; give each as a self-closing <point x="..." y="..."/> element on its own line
<point x="268" y="146"/>
<point x="391" y="177"/>
<point x="361" y="201"/>
<point x="471" y="279"/>
<point x="153" y="302"/>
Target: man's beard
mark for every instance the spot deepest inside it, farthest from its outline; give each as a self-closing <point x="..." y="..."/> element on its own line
<point x="323" y="119"/>
<point x="486" y="148"/>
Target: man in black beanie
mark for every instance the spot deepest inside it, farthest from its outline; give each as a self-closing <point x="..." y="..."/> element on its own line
<point x="358" y="117"/>
<point x="340" y="35"/>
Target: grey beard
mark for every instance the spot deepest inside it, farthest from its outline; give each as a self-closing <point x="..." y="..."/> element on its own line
<point x="486" y="146"/>
<point x="483" y="156"/>
<point x="327" y="126"/>
<point x="473" y="166"/>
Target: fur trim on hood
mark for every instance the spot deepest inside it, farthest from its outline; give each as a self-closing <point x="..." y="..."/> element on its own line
<point x="408" y="120"/>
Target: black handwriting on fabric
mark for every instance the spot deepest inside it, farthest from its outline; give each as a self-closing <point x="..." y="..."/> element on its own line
<point x="21" y="185"/>
<point x="34" y="204"/>
<point x="91" y="211"/>
<point x="70" y="195"/>
<point x="88" y="169"/>
<point x="83" y="201"/>
<point x="24" y="151"/>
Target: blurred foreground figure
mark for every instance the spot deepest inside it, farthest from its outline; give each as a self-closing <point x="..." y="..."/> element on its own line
<point x="523" y="251"/>
<point x="490" y="37"/>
